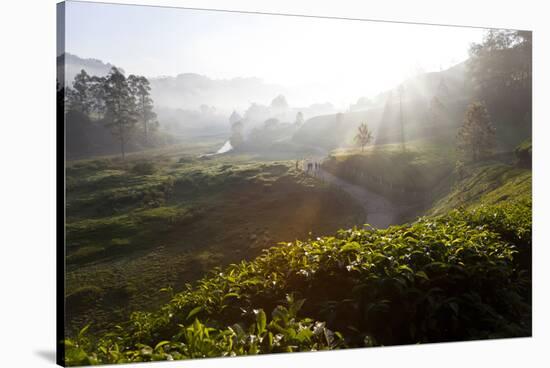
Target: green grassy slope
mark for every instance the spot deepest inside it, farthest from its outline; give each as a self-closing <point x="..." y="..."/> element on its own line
<point x="389" y="170"/>
<point x="486" y="183"/>
<point x="459" y="276"/>
<point x="166" y="219"/>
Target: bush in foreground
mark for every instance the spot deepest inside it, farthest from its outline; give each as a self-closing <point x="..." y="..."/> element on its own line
<point x="449" y="278"/>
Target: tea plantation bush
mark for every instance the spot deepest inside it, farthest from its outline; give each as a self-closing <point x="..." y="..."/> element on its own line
<point x="447" y="278"/>
<point x="144" y="168"/>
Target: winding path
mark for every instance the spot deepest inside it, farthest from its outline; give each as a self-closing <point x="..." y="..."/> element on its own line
<point x="379" y="211"/>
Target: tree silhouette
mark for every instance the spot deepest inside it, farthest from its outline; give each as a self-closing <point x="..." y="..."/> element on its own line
<point x="141" y="90"/>
<point x="363" y="136"/>
<point x="78" y="97"/>
<point x="121" y="107"/>
<point x="97" y="96"/>
<point x="476" y="137"/>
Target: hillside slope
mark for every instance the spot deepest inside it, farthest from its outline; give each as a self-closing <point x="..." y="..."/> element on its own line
<point x="383" y="114"/>
<point x="158" y="220"/>
<point x="459" y="276"/>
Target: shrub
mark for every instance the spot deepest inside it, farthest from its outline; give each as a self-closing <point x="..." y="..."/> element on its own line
<point x="445" y="278"/>
<point x="144" y="168"/>
<point x="524" y="154"/>
<point x="284" y="332"/>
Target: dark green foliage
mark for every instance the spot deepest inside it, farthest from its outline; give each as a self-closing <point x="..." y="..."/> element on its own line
<point x="84" y="297"/>
<point x="501" y="67"/>
<point x="448" y="278"/>
<point x="524" y="153"/>
<point x="121" y="111"/>
<point x="500" y="74"/>
<point x="476" y="136"/>
<point x="513" y="221"/>
<point x="144" y="168"/>
<point x="79" y="97"/>
<point x="141" y="90"/>
<point x="406" y="176"/>
<point x="283" y="331"/>
<point x="102" y="112"/>
<point x="485" y="184"/>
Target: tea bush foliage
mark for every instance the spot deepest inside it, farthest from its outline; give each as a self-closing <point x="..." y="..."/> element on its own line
<point x="459" y="276"/>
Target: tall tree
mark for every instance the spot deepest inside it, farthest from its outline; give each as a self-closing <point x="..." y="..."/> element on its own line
<point x="363" y="136"/>
<point x="476" y="137"/>
<point x="78" y="97"/>
<point x="141" y="89"/>
<point x="121" y="107"/>
<point x="97" y="97"/>
<point x="500" y="68"/>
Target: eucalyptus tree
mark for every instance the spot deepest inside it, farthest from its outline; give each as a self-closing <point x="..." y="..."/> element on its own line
<point x="121" y="111"/>
<point x="78" y="96"/>
<point x="97" y="97"/>
<point x="141" y="89"/>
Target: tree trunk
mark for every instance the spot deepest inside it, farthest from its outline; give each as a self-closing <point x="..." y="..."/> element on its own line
<point x="144" y="119"/>
<point x="121" y="132"/>
<point x="145" y="129"/>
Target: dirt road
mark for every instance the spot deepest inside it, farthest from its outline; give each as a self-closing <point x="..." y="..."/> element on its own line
<point x="380" y="212"/>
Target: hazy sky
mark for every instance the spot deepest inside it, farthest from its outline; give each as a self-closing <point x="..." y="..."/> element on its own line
<point x="319" y="59"/>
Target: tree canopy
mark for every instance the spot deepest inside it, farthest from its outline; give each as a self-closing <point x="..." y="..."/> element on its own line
<point x="476" y="137"/>
<point x="364" y="136"/>
<point x="115" y="101"/>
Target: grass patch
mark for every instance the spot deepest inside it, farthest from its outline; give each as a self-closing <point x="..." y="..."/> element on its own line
<point x="398" y="174"/>
<point x="486" y="184"/>
<point x="171" y="227"/>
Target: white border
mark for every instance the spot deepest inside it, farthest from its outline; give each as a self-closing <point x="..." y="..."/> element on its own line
<point x="27" y="206"/>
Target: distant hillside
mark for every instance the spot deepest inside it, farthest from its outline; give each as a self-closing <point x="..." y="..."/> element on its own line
<point x="74" y="64"/>
<point x="432" y="105"/>
<point x="189" y="91"/>
<point x="382" y="113"/>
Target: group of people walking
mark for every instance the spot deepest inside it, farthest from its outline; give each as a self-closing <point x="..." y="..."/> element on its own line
<point x="308" y="166"/>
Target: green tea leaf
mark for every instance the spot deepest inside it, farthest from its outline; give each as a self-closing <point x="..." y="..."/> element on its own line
<point x="193" y="312"/>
